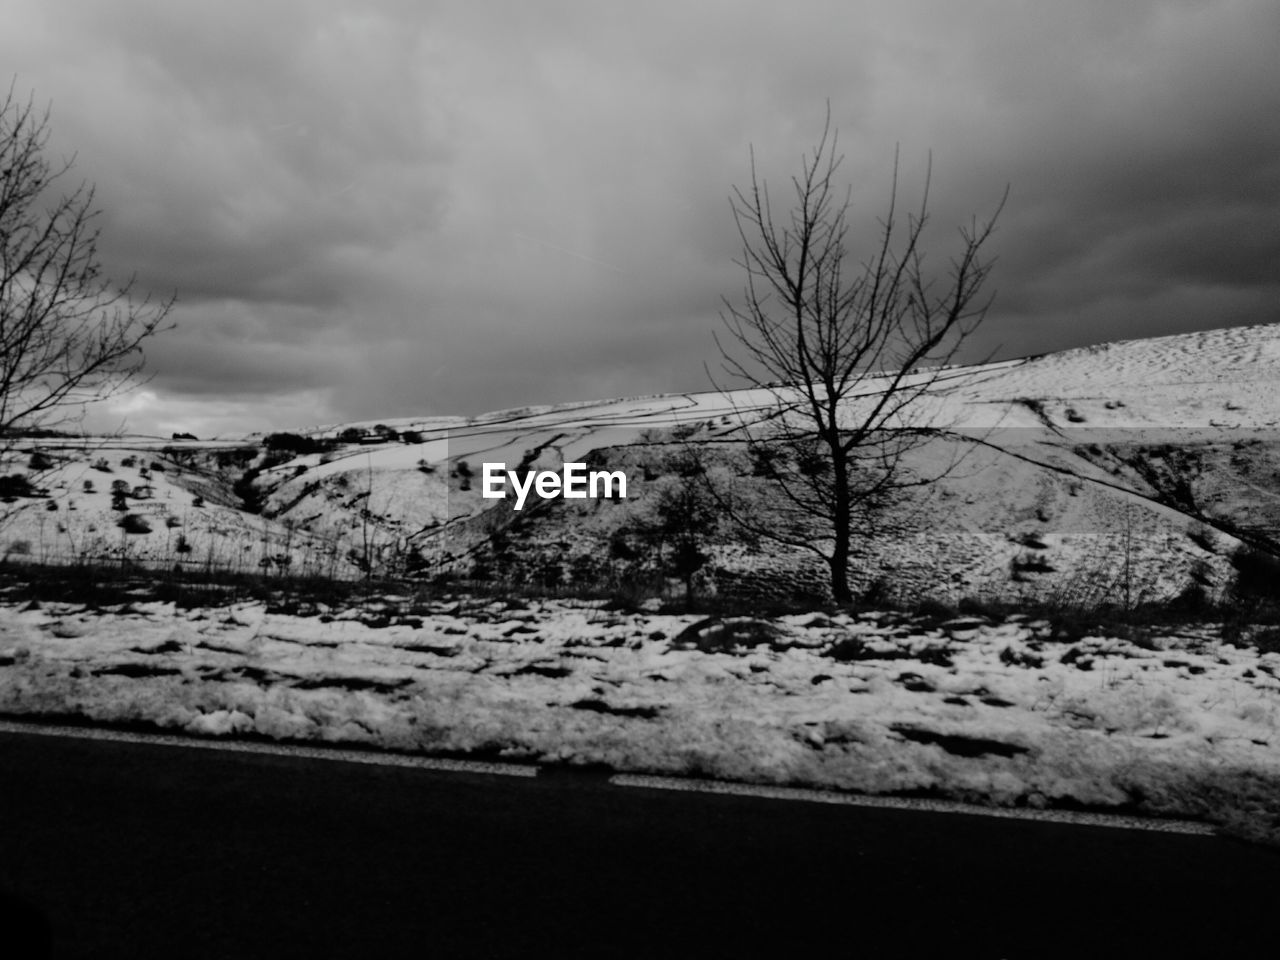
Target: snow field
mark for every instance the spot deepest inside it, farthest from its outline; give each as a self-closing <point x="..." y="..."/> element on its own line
<point x="1178" y="724"/>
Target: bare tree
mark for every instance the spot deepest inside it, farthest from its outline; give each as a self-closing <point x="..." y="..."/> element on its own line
<point x="684" y="509"/>
<point x="68" y="335"/>
<point x="846" y="349"/>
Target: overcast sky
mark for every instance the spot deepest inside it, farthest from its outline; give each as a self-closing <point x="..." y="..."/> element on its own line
<point x="382" y="209"/>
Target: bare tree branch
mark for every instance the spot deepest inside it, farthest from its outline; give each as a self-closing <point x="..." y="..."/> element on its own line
<point x="846" y="352"/>
<point x="68" y="335"/>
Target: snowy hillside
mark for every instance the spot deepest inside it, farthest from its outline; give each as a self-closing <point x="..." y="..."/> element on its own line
<point x="1168" y="442"/>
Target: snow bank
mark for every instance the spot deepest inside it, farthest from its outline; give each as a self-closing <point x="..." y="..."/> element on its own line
<point x="1004" y="713"/>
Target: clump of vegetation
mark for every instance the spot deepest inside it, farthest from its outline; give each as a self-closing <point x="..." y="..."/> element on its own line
<point x="462" y="470"/>
<point x="19" y="548"/>
<point x="1257" y="581"/>
<point x="1030" y="563"/>
<point x="296" y="444"/>
<point x="238" y="458"/>
<point x="14" y="487"/>
<point x="134" y="523"/>
<point x="765" y="460"/>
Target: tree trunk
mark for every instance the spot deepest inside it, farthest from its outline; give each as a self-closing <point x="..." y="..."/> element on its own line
<point x="842" y="514"/>
<point x="840" y="570"/>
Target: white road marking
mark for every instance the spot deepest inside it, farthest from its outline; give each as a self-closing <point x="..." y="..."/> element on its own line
<point x="902" y="803"/>
<point x="795" y="794"/>
<point x="276" y="749"/>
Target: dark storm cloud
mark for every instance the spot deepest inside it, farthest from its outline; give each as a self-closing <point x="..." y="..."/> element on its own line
<point x="244" y="351"/>
<point x="250" y="151"/>
<point x="1146" y="187"/>
<point x="396" y="208"/>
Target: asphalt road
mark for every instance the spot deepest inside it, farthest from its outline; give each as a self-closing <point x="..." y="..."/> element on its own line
<point x="143" y="850"/>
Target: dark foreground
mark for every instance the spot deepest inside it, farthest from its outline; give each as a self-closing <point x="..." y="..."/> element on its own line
<point x="136" y="850"/>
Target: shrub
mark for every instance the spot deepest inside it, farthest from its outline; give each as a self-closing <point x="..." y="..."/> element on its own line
<point x="1203" y="538"/>
<point x="40" y="461"/>
<point x="1031" y="563"/>
<point x="88" y="486"/>
<point x="811" y="463"/>
<point x="1021" y="658"/>
<point x="620" y="547"/>
<point x="683" y="431"/>
<point x="14" y="486"/>
<point x="1257" y="576"/>
<point x="1192" y="599"/>
<point x="101" y="465"/>
<point x="764" y="460"/>
<point x="294" y="443"/>
<point x="1266" y="640"/>
<point x="716" y="635"/>
<point x="133" y="523"/>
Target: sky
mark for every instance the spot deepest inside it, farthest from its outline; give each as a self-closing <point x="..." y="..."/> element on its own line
<point x="388" y="208"/>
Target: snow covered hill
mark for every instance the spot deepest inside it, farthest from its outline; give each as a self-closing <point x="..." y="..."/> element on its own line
<point x="1146" y="459"/>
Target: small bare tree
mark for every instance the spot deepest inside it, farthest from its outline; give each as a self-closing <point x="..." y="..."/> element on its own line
<point x="846" y="350"/>
<point x="684" y="510"/>
<point x="68" y="335"/>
